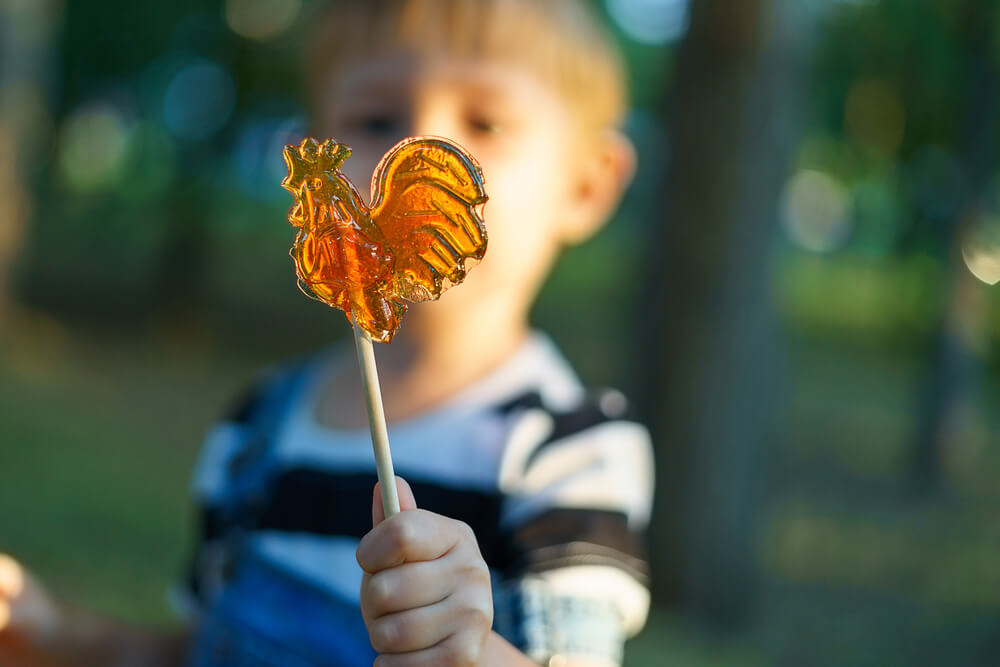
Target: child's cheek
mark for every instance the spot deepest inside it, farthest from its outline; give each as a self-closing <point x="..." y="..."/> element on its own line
<point x="520" y="202"/>
<point x="519" y="223"/>
<point x="525" y="184"/>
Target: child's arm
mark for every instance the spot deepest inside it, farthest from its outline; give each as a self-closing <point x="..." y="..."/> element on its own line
<point x="426" y="595"/>
<point x="36" y="630"/>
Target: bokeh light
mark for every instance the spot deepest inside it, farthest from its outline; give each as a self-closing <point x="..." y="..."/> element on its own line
<point x="151" y="164"/>
<point x="815" y="210"/>
<point x="874" y="116"/>
<point x="877" y="217"/>
<point x="261" y="19"/>
<point x="92" y="147"/>
<point x="259" y="164"/>
<point x="653" y="22"/>
<point x="199" y="100"/>
<point x="24" y="106"/>
<point x="36" y="20"/>
<point x="981" y="248"/>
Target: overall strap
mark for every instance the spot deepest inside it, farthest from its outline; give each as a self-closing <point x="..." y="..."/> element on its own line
<point x="251" y="469"/>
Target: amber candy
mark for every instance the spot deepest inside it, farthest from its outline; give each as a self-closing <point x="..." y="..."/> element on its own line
<point x="412" y="243"/>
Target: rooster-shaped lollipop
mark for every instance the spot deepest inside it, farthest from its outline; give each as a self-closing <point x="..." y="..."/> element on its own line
<point x="413" y="241"/>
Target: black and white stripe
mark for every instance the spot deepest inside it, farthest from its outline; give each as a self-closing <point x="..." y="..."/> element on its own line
<point x="556" y="484"/>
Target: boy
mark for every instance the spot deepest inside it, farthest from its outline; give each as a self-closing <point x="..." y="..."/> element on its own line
<point x="487" y="422"/>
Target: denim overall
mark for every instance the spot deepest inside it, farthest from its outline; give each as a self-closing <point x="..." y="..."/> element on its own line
<point x="264" y="614"/>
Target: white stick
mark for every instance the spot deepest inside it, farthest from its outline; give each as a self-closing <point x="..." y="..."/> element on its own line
<point x="376" y="421"/>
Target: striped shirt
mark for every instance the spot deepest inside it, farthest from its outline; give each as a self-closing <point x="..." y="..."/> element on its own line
<point x="554" y="481"/>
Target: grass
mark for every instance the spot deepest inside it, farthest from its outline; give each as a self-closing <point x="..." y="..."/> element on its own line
<point x="98" y="435"/>
<point x="97" y="444"/>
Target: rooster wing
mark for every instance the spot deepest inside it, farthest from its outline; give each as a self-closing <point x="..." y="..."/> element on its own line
<point x="427" y="193"/>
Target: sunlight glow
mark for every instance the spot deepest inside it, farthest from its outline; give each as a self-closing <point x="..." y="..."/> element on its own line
<point x="199" y="100"/>
<point x="981" y="249"/>
<point x="92" y="147"/>
<point x="815" y="210"/>
<point x="261" y="19"/>
<point x="260" y="140"/>
<point x="874" y="115"/>
<point x="653" y="22"/>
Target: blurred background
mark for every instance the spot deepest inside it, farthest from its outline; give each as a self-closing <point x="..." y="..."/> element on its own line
<point x="798" y="294"/>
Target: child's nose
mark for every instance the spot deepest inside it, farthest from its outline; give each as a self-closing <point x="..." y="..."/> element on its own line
<point x="433" y="120"/>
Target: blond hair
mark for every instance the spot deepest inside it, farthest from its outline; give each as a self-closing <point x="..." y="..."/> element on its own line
<point x="559" y="40"/>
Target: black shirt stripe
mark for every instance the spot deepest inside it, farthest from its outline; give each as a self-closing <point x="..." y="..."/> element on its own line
<point x="306" y="500"/>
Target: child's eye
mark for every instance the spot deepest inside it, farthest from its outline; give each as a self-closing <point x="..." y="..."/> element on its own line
<point x="483" y="125"/>
<point x="378" y="125"/>
<point x="373" y="124"/>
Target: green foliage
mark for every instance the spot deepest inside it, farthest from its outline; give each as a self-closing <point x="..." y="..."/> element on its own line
<point x="892" y="99"/>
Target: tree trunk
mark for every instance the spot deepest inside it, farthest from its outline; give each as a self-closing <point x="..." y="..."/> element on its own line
<point x="708" y="314"/>
<point x="26" y="53"/>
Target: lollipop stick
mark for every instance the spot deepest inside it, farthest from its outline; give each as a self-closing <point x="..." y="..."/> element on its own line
<point x="376" y="421"/>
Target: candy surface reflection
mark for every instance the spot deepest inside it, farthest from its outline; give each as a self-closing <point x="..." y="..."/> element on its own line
<point x="412" y="243"/>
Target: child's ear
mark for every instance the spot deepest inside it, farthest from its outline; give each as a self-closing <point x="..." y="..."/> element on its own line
<point x="604" y="171"/>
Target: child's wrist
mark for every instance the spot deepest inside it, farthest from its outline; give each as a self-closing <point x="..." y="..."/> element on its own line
<point x="500" y="653"/>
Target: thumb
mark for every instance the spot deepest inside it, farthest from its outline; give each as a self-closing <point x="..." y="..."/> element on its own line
<point x="406" y="500"/>
<point x="11" y="577"/>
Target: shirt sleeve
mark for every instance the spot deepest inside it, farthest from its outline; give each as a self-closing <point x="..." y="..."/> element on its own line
<point x="578" y="490"/>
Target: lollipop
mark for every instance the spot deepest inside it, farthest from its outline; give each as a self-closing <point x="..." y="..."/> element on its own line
<point x="421" y="234"/>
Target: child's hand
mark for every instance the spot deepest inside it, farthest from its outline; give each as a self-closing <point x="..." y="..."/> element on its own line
<point x="426" y="595"/>
<point x="27" y="613"/>
<point x="37" y="631"/>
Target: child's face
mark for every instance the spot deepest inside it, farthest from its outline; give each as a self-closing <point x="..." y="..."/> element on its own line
<point x="521" y="130"/>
